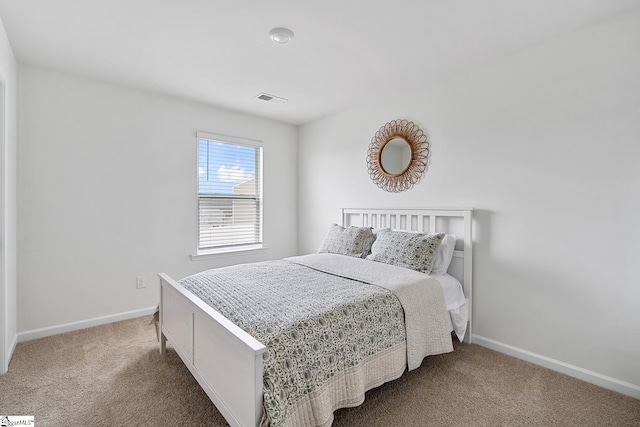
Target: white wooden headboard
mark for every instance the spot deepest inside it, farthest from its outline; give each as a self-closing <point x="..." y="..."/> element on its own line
<point x="455" y="221"/>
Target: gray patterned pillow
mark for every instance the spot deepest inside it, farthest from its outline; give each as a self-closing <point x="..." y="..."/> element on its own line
<point x="405" y="249"/>
<point x="351" y="241"/>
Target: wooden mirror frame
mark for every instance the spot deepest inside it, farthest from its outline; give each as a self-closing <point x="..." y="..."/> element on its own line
<point x="419" y="159"/>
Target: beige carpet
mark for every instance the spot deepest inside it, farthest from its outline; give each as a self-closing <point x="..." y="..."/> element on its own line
<point x="114" y="375"/>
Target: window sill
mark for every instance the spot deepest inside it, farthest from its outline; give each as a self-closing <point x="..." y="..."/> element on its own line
<point x="226" y="252"/>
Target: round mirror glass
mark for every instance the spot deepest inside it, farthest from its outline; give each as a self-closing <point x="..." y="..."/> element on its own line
<point x="395" y="156"/>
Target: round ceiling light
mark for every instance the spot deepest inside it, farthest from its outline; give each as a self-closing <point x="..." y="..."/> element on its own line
<point x="281" y="35"/>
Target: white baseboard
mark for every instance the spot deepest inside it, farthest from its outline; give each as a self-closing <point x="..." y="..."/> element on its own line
<point x="82" y="324"/>
<point x="610" y="383"/>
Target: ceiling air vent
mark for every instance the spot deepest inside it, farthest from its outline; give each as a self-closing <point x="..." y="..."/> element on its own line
<point x="270" y="98"/>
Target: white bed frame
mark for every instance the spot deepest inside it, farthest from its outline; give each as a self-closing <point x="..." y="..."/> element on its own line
<point x="227" y="362"/>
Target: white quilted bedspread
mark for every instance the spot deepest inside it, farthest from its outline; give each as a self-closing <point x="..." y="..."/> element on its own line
<point x="421" y="296"/>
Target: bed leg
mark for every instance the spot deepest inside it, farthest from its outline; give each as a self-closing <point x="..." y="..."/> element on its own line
<point x="163" y="343"/>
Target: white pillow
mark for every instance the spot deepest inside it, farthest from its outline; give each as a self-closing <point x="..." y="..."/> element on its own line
<point x="444" y="254"/>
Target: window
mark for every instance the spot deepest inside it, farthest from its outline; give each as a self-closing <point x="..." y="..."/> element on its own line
<point x="229" y="194"/>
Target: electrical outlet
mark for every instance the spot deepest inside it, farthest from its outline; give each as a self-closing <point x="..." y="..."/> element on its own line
<point x="140" y="282"/>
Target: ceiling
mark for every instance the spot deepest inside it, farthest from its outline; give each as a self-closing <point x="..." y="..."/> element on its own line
<point x="219" y="53"/>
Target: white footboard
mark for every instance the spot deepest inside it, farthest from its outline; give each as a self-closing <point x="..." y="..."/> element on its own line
<point x="225" y="360"/>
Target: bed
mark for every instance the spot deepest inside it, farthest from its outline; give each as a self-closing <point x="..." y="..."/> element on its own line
<point x="240" y="374"/>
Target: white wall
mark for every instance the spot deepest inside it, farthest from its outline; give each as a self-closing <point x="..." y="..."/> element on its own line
<point x="8" y="69"/>
<point x="107" y="192"/>
<point x="544" y="143"/>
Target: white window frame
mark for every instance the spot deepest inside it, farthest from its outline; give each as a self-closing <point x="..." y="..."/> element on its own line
<point x="203" y="253"/>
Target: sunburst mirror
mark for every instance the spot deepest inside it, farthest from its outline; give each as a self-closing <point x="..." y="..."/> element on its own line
<point x="398" y="155"/>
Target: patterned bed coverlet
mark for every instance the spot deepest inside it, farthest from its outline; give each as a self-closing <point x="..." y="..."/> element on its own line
<point x="330" y="335"/>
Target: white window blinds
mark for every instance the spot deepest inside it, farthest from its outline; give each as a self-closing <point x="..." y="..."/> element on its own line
<point x="229" y="193"/>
